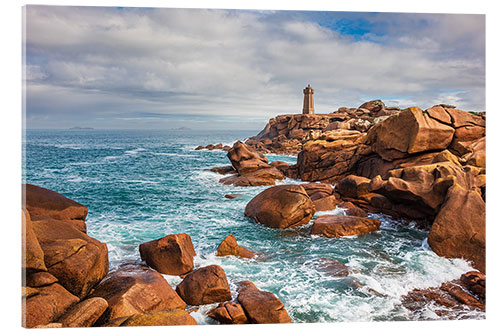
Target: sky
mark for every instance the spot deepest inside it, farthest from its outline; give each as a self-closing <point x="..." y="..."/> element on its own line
<point x="121" y="68"/>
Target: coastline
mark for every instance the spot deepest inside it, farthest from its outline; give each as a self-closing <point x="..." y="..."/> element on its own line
<point x="359" y="200"/>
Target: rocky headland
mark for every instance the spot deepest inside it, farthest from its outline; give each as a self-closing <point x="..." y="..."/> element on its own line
<point x="427" y="166"/>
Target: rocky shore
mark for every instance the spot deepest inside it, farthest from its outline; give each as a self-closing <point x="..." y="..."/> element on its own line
<point x="427" y="166"/>
<point x="66" y="282"/>
<point x="423" y="166"/>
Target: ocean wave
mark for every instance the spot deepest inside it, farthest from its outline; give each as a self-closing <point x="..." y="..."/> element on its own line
<point x="171" y="154"/>
<point x="76" y="179"/>
<point x="139" y="181"/>
<point x="74" y="146"/>
<point x="134" y="151"/>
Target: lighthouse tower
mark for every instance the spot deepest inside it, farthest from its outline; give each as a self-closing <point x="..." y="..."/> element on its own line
<point x="308" y="100"/>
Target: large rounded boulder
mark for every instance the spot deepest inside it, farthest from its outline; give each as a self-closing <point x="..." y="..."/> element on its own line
<point x="134" y="289"/>
<point x="205" y="285"/>
<point x="171" y="255"/>
<point x="459" y="230"/>
<point x="42" y="203"/>
<point x="282" y="206"/>
<point x="261" y="307"/>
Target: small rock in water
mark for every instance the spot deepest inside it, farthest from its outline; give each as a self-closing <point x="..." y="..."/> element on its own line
<point x="341" y="225"/>
<point x="232" y="196"/>
<point x="229" y="247"/>
<point x="229" y="313"/>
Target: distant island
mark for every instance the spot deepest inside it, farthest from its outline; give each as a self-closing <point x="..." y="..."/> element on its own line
<point x="181" y="129"/>
<point x="81" y="128"/>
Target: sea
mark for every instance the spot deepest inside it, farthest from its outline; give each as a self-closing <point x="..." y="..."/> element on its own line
<point x="141" y="185"/>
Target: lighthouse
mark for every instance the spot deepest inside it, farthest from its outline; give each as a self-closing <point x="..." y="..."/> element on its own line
<point x="308" y="100"/>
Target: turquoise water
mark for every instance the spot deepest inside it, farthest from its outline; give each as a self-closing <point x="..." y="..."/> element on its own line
<point x="143" y="185"/>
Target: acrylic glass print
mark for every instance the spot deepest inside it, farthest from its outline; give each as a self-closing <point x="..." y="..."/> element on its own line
<point x="205" y="167"/>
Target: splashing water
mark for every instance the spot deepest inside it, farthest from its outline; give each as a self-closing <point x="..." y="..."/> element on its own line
<point x="142" y="185"/>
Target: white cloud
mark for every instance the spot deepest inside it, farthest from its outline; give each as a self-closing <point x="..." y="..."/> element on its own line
<point x="241" y="63"/>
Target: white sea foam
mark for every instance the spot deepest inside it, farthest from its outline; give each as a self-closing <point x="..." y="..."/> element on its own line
<point x="134" y="151"/>
<point x="200" y="315"/>
<point x="112" y="157"/>
<point x="75" y="179"/>
<point x="69" y="146"/>
<point x="81" y="163"/>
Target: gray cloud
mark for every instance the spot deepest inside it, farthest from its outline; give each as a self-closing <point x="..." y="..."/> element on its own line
<point x="106" y="66"/>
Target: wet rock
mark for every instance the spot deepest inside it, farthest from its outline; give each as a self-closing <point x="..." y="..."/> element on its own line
<point x="282" y="206"/>
<point x="232" y="196"/>
<point x="461" y="295"/>
<point x="261" y="307"/>
<point x="160" y="318"/>
<point x="78" y="261"/>
<point x="352" y="209"/>
<point x="445" y="301"/>
<point x="133" y="289"/>
<point x="229" y="247"/>
<point x="224" y="170"/>
<point x="47" y="305"/>
<point x="341" y="225"/>
<point x="205" y="285"/>
<point x="459" y="229"/>
<point x="171" y="255"/>
<point x="262" y="177"/>
<point x="85" y="313"/>
<point x="228" y="313"/>
<point x="244" y="160"/>
<point x="475" y="283"/>
<point x="332" y="267"/>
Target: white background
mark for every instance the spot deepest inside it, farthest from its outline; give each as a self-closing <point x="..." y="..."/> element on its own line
<point x="11" y="132"/>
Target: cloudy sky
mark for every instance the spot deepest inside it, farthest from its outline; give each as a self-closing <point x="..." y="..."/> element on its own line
<point x="109" y="67"/>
